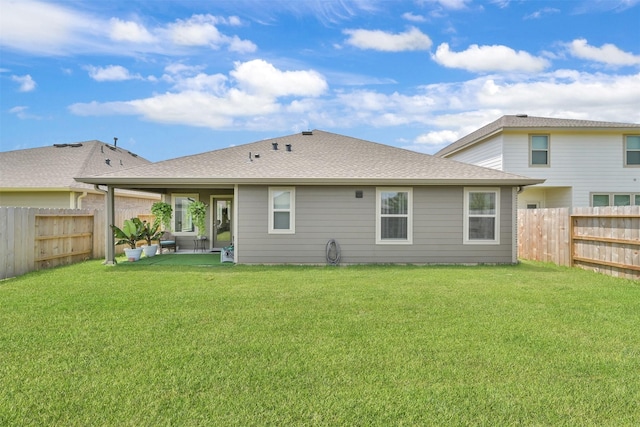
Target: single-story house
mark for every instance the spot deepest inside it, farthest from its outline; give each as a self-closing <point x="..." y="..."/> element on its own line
<point x="43" y="177"/>
<point x="282" y="200"/>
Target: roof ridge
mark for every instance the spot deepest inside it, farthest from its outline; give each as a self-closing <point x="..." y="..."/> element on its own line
<point x="85" y="162"/>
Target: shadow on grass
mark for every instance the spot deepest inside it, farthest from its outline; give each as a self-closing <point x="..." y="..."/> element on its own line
<point x="207" y="260"/>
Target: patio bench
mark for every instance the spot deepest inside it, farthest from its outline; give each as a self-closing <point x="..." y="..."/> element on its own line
<point x="168" y="241"/>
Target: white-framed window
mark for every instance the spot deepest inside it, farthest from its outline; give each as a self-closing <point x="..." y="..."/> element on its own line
<point x="182" y="222"/>
<point x="282" y="210"/>
<point x="539" y="150"/>
<point x="615" y="199"/>
<point x="632" y="150"/>
<point x="481" y="216"/>
<point x="394" y="216"/>
<point x="622" y="200"/>
<point x="599" y="200"/>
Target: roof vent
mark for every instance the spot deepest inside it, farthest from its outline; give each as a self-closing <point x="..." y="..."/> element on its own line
<point x="275" y="146"/>
<point x="307" y="132"/>
<point x="67" y="145"/>
<point x="522" y="115"/>
<point x="288" y="147"/>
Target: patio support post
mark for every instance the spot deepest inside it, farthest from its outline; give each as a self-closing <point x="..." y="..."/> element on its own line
<point x="109" y="249"/>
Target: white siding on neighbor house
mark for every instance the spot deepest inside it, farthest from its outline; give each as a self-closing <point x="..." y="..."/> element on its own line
<point x="545" y="196"/>
<point x="324" y="213"/>
<point x="587" y="162"/>
<point x="487" y="154"/>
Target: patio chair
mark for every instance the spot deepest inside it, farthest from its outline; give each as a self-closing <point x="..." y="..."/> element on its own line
<point x="167" y="240"/>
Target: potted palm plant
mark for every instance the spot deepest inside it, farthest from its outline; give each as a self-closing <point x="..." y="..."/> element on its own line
<point x="151" y="232"/>
<point x="130" y="233"/>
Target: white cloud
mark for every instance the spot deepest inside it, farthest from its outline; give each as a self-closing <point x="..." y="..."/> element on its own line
<point x="234" y="21"/>
<point x="412" y="39"/>
<point x="199" y="30"/>
<point x="241" y="46"/>
<point x="607" y="53"/>
<point x="129" y="31"/>
<point x="451" y="4"/>
<point x="216" y="101"/>
<point x="544" y="11"/>
<point x="202" y="31"/>
<point x="261" y="77"/>
<point x="180" y="69"/>
<point x="437" y="138"/>
<point x="27" y="84"/>
<point x="43" y="28"/>
<point x="409" y="16"/>
<point x="489" y="58"/>
<point x="22" y="113"/>
<point x="203" y="83"/>
<point x="111" y="73"/>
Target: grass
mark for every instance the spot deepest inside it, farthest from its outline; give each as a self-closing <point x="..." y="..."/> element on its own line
<point x="532" y="344"/>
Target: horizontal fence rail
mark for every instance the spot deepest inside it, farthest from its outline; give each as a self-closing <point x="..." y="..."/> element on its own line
<point x="606" y="239"/>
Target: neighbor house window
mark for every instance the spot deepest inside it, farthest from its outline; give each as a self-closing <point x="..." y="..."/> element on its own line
<point x="539" y="155"/>
<point x="599" y="200"/>
<point x="282" y="202"/>
<point x="182" y="222"/>
<point x="394" y="215"/>
<point x="622" y="200"/>
<point x="632" y="150"/>
<point x="481" y="216"/>
<point x="615" y="200"/>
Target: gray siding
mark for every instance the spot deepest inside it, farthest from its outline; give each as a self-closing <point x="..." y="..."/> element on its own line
<point x="324" y="213"/>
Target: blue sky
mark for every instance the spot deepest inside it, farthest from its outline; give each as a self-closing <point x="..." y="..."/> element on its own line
<point x="173" y="78"/>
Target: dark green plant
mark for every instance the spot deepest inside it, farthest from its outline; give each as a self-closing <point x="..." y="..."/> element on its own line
<point x="163" y="213"/>
<point x="130" y="233"/>
<point x="151" y="231"/>
<point x="198" y="211"/>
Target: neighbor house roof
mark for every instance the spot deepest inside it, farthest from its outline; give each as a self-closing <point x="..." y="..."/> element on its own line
<point x="54" y="167"/>
<point x="525" y="122"/>
<point x="313" y="157"/>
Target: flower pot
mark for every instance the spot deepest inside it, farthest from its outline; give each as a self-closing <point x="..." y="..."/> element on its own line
<point x="150" y="250"/>
<point x="133" y="254"/>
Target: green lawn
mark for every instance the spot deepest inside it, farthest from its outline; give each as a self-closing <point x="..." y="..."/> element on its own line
<point x="159" y="345"/>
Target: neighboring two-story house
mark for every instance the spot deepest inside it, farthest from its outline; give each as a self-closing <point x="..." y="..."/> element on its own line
<point x="584" y="163"/>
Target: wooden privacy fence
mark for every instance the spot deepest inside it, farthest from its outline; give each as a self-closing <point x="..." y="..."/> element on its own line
<point x="604" y="239"/>
<point x="34" y="238"/>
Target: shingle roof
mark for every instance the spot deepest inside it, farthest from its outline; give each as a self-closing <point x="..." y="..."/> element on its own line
<point x="54" y="167"/>
<point x="316" y="157"/>
<point x="523" y="121"/>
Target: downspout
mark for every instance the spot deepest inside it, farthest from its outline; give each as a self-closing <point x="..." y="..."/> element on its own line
<point x="109" y="241"/>
<point x="79" y="200"/>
